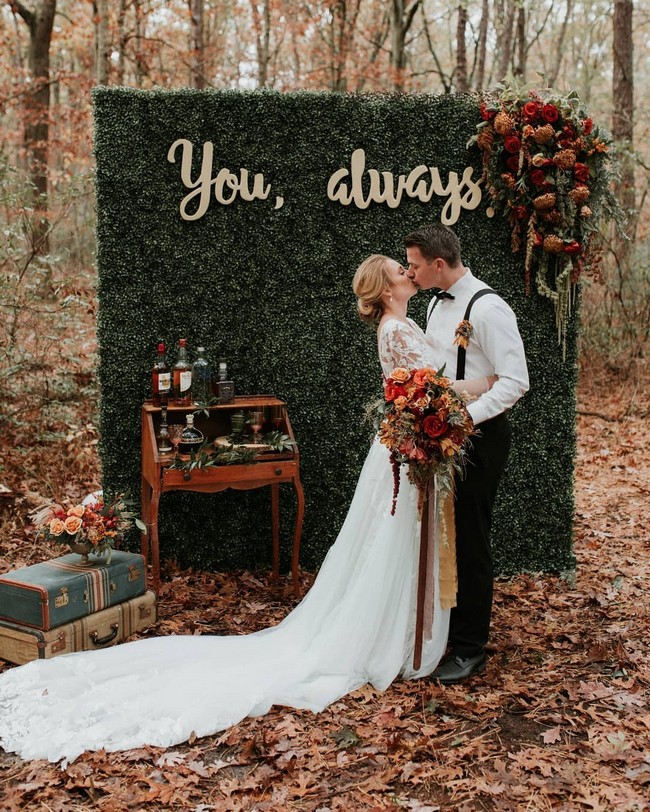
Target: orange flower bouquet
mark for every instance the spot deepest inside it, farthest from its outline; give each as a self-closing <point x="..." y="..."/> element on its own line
<point x="94" y="527"/>
<point x="424" y="423"/>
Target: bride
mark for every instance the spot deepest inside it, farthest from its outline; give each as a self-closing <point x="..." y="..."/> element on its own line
<point x="355" y="626"/>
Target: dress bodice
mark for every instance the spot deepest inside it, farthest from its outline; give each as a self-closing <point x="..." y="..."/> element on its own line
<point x="403" y="344"/>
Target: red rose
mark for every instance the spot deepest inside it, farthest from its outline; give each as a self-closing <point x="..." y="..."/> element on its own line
<point x="531" y="111"/>
<point x="512" y="162"/>
<point x="587" y="126"/>
<point x="538" y="177"/>
<point x="573" y="248"/>
<point x="581" y="172"/>
<point x="391" y="392"/>
<point x="486" y="114"/>
<point x="434" y="426"/>
<point x="512" y="144"/>
<point x="520" y="212"/>
<point x="550" y="113"/>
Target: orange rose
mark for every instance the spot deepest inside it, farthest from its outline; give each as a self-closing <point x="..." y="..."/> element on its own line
<point x="400" y="402"/>
<point x="56" y="527"/>
<point x="77" y="510"/>
<point x="400" y="375"/>
<point x="421" y="376"/>
<point x="72" y="525"/>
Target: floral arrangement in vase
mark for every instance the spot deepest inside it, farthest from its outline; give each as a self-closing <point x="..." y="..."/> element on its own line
<point x="94" y="526"/>
<point x="424" y="424"/>
<point x="549" y="169"/>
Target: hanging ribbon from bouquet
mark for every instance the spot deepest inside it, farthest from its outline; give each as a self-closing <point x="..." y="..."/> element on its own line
<point x="437" y="532"/>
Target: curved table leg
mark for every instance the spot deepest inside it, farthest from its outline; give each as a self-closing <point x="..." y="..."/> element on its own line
<point x="300" y="514"/>
<point x="275" y="523"/>
<point x="155" y="549"/>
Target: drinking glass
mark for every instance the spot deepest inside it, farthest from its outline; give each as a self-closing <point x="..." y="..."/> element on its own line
<point x="255" y="420"/>
<point x="175" y="435"/>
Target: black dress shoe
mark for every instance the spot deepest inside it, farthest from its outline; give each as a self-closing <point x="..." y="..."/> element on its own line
<point x="455" y="668"/>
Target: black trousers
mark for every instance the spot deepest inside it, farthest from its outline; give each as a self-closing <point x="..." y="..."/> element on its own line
<point x="475" y="495"/>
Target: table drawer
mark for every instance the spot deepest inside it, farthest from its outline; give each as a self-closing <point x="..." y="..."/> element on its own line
<point x="223" y="476"/>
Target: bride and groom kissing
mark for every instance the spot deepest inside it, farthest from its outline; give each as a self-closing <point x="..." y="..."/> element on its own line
<point x="356" y="625"/>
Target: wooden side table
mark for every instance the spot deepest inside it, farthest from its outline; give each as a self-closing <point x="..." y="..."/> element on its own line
<point x="271" y="468"/>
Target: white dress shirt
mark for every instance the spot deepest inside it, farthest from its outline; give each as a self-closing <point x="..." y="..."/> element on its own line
<point x="495" y="346"/>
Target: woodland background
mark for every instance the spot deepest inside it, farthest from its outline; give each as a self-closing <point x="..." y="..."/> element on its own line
<point x="560" y="721"/>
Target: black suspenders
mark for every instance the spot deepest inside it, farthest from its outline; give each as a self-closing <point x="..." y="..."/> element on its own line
<point x="460" y="362"/>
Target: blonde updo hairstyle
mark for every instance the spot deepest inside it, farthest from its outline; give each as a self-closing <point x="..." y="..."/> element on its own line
<point x="369" y="283"/>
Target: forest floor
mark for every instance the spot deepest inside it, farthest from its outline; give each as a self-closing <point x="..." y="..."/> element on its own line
<point x="559" y="721"/>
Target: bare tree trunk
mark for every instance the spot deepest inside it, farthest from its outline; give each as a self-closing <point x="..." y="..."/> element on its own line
<point x="623" y="117"/>
<point x="482" y="46"/>
<point x="122" y="38"/>
<point x="37" y="111"/>
<point x="520" y="65"/>
<point x="446" y="80"/>
<point x="462" y="82"/>
<point x="140" y="66"/>
<point x="102" y="44"/>
<point x="402" y="14"/>
<point x="197" y="51"/>
<point x="339" y="55"/>
<point x="559" y="53"/>
<point x="505" y="18"/>
<point x="262" y="26"/>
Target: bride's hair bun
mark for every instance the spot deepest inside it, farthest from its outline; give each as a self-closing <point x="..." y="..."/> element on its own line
<point x="369" y="283"/>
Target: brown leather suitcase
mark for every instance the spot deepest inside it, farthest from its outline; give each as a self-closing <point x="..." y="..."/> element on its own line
<point x="20" y="644"/>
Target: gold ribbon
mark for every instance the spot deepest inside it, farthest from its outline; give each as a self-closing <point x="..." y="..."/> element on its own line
<point x="438" y="528"/>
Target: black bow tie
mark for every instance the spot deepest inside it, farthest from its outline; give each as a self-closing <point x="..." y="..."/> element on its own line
<point x="442" y="294"/>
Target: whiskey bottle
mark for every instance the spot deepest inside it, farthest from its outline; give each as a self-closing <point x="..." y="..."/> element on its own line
<point x="225" y="389"/>
<point x="182" y="377"/>
<point x="191" y="438"/>
<point x="201" y="378"/>
<point x="161" y="378"/>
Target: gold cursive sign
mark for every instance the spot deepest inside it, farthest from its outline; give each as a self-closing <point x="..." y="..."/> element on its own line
<point x="421" y="183"/>
<point x="226" y="185"/>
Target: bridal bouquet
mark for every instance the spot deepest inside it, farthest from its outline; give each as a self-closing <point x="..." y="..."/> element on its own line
<point x="424" y="423"/>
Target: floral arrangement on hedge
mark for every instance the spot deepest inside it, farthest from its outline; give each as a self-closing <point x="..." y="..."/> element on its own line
<point x="424" y="423"/>
<point x="549" y="169"/>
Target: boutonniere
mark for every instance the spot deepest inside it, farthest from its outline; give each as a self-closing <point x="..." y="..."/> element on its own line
<point x="463" y="333"/>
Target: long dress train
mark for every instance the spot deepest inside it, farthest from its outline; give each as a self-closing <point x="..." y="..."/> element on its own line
<point x="355" y="626"/>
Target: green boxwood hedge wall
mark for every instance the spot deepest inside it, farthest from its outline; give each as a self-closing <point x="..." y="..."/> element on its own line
<point x="270" y="290"/>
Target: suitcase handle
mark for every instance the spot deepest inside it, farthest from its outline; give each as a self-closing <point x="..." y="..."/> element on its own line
<point x="104" y="641"/>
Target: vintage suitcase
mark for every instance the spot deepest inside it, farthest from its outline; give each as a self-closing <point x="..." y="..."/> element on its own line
<point x="20" y="644"/>
<point x="60" y="590"/>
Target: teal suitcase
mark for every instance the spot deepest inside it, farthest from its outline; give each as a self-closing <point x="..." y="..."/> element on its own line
<point x="63" y="589"/>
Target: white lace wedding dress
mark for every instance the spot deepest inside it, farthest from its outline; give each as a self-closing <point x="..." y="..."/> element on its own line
<point x="355" y="626"/>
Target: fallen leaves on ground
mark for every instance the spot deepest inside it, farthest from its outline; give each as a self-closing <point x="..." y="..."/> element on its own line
<point x="560" y="720"/>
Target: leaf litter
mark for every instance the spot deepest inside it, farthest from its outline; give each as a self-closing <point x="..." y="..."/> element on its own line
<point x="559" y="721"/>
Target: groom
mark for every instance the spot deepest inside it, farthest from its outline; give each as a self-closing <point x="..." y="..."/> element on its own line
<point x="494" y="348"/>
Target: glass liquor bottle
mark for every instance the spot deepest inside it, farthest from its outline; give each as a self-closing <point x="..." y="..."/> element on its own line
<point x="201" y="378"/>
<point x="182" y="377"/>
<point x="161" y="378"/>
<point x="164" y="443"/>
<point x="191" y="438"/>
<point x="225" y="389"/>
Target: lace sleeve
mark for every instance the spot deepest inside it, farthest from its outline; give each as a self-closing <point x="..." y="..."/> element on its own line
<point x="402" y="344"/>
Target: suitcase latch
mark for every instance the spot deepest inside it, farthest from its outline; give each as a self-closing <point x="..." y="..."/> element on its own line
<point x="134" y="574"/>
<point x="60" y="644"/>
<point x="62" y="599"/>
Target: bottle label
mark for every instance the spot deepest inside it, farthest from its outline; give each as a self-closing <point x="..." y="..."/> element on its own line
<point x="185" y="381"/>
<point x="164" y="381"/>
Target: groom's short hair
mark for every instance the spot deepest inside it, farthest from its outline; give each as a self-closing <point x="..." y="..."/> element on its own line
<point x="435" y="240"/>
